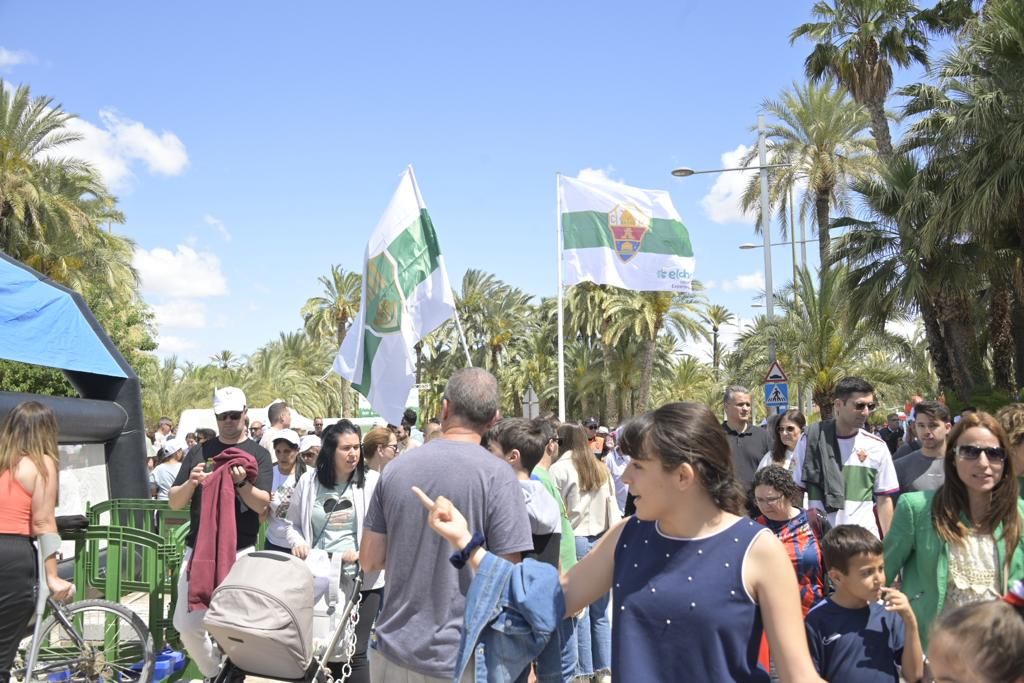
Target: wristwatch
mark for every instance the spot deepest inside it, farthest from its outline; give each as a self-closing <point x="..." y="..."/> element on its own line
<point x="460" y="557"/>
<point x="240" y="484"/>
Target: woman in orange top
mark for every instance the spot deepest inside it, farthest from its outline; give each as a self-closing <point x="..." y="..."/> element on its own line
<point x="28" y="497"/>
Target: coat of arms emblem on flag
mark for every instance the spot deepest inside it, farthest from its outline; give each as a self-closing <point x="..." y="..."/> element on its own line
<point x="628" y="225"/>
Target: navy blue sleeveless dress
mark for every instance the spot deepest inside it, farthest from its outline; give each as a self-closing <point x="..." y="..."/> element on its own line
<point x="681" y="612"/>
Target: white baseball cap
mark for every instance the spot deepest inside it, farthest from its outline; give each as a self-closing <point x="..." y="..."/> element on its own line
<point x="228" y="399"/>
<point x="309" y="441"/>
<point x="172" y="446"/>
<point x="288" y="435"/>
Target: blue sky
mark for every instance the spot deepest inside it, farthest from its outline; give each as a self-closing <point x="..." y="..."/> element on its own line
<point x="252" y="145"/>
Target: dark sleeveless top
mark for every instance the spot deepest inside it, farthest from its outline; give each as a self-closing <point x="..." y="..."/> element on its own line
<point x="681" y="612"/>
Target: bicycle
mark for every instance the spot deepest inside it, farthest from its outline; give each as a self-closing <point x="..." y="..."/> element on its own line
<point x="87" y="640"/>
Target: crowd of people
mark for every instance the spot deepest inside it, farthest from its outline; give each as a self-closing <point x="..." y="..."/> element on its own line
<point x="671" y="547"/>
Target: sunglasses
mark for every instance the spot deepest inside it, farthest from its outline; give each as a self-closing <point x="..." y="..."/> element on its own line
<point x="768" y="501"/>
<point x="788" y="430"/>
<point x="993" y="453"/>
<point x="233" y="415"/>
<point x="864" y="405"/>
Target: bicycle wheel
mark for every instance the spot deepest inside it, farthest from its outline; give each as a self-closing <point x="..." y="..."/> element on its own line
<point x="115" y="645"/>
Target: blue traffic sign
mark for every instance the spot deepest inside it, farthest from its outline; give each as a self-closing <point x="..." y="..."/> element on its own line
<point x="776" y="394"/>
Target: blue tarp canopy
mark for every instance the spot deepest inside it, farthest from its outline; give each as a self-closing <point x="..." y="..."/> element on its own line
<point x="42" y="324"/>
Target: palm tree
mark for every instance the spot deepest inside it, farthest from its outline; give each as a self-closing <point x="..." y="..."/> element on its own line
<point x="329" y="316"/>
<point x="644" y="315"/>
<point x="715" y="316"/>
<point x="895" y="271"/>
<point x="972" y="136"/>
<point x="821" y="133"/>
<point x="820" y="343"/>
<point x="857" y="43"/>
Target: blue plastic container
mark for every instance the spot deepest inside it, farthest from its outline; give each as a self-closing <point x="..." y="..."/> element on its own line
<point x="59" y="676"/>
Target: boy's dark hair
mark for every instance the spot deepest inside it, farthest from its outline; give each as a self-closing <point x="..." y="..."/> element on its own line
<point x="275" y="411"/>
<point x="932" y="409"/>
<point x="848" y="386"/>
<point x="409" y="418"/>
<point x="846" y="541"/>
<point x="526" y="436"/>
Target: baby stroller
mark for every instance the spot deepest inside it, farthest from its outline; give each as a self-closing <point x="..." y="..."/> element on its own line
<point x="264" y="619"/>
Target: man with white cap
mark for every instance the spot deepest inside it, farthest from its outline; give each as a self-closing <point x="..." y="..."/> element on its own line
<point x="252" y="498"/>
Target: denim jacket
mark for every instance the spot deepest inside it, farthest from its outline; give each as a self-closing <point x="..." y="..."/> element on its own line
<point x="512" y="612"/>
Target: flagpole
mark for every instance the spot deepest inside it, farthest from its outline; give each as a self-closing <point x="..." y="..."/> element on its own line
<point x="458" y="321"/>
<point x="561" y="315"/>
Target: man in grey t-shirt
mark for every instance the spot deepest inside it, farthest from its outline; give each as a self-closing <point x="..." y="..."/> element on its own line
<point x="420" y="622"/>
<point x="922" y="470"/>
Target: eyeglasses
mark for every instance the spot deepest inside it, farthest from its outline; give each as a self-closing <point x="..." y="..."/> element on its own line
<point x="864" y="405"/>
<point x="787" y="430"/>
<point x="993" y="453"/>
<point x="233" y="415"/>
<point x="392" y="446"/>
<point x="769" y="501"/>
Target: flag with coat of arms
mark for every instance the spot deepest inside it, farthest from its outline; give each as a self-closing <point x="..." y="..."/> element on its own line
<point x="406" y="295"/>
<point x="614" y="234"/>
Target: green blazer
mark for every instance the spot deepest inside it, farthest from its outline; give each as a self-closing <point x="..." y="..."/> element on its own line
<point x="914" y="548"/>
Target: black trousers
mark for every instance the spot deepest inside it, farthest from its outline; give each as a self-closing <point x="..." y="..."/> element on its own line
<point x="368" y="609"/>
<point x="17" y="596"/>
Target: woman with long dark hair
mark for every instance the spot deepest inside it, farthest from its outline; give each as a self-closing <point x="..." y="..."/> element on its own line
<point x="788" y="429"/>
<point x="28" y="498"/>
<point x="961" y="543"/>
<point x="589" y="494"/>
<point x="694" y="579"/>
<point x="327" y="511"/>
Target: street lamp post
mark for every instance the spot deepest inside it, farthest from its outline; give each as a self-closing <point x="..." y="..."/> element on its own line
<point x="762" y="157"/>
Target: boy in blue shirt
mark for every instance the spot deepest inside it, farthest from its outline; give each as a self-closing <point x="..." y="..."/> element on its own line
<point x="863" y="632"/>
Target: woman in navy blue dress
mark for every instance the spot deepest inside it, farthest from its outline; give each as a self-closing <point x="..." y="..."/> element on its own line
<point x="694" y="582"/>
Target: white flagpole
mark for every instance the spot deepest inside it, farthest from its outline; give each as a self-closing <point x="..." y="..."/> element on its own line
<point x="458" y="322"/>
<point x="561" y="315"/>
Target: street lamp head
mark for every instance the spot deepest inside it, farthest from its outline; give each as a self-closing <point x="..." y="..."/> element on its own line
<point x="751" y="245"/>
<point x="682" y="172"/>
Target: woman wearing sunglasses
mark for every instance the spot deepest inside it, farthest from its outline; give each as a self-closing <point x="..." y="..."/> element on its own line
<point x="961" y="543"/>
<point x="327" y="511"/>
<point x="788" y="430"/>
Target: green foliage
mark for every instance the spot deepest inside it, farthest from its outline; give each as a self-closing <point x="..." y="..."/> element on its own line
<point x="33" y="379"/>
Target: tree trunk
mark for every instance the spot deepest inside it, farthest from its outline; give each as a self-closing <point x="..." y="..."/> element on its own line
<point x="961" y="346"/>
<point x="880" y="127"/>
<point x="936" y="344"/>
<point x="346" y="386"/>
<point x="1000" y="334"/>
<point x="716" y="353"/>
<point x="610" y="413"/>
<point x="646" y="375"/>
<point x="821" y="212"/>
<point x="823" y="399"/>
<point x="1017" y="317"/>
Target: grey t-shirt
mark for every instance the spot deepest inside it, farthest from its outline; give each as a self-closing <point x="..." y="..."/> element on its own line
<point x="420" y="622"/>
<point x="917" y="472"/>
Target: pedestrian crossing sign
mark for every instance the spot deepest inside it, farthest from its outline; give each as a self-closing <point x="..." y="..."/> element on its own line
<point x="776" y="394"/>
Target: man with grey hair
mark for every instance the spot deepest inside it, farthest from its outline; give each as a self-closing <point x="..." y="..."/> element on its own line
<point x="420" y="621"/>
<point x="747" y="442"/>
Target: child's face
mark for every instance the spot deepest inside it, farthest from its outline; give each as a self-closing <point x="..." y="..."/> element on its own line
<point x="865" y="578"/>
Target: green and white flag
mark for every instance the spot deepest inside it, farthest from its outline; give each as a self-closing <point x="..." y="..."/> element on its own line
<point x="614" y="234"/>
<point x="406" y="295"/>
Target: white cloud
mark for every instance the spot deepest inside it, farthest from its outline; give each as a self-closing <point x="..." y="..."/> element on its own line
<point x="597" y="175"/>
<point x="9" y="58"/>
<point x="183" y="273"/>
<point x="172" y="344"/>
<point x="749" y="281"/>
<point x="722" y="203"/>
<point x="180" y="313"/>
<point x="727" y="336"/>
<point x="116" y="146"/>
<point x="218" y="225"/>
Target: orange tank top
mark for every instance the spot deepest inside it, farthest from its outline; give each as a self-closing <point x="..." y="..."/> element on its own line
<point x="15" y="506"/>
